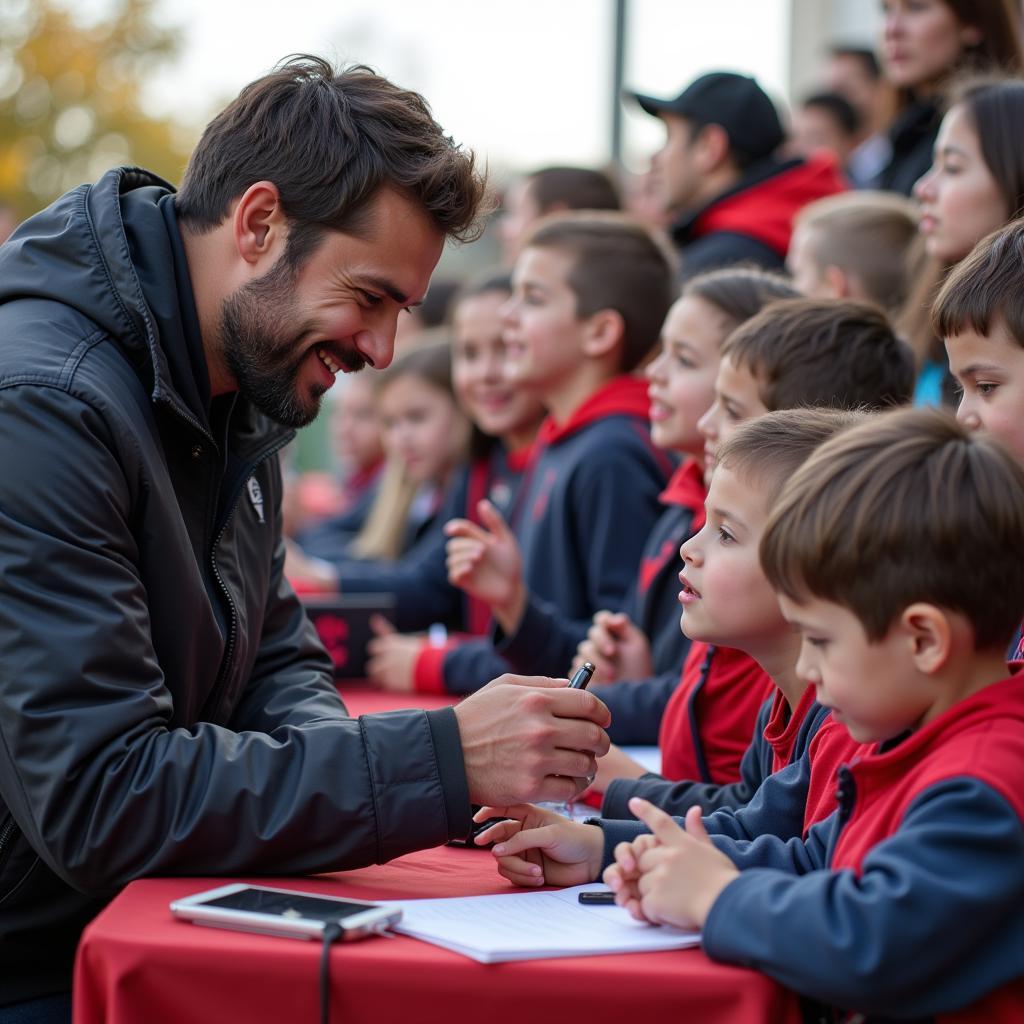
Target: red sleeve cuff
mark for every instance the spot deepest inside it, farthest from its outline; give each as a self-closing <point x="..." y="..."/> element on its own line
<point x="428" y="672"/>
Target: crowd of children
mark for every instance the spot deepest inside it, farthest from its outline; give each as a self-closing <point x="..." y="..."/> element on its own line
<point x="840" y="724"/>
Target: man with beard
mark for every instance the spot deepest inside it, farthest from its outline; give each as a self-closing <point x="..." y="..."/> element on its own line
<point x="165" y="707"/>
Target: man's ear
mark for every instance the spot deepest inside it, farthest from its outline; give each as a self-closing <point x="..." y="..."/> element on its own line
<point x="711" y="148"/>
<point x="260" y="228"/>
<point x="604" y="333"/>
<point x="929" y="633"/>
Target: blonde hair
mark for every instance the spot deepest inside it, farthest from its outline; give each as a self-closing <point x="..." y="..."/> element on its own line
<point x="383" y="532"/>
<point x="871" y="235"/>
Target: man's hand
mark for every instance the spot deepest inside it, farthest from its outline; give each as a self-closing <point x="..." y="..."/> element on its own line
<point x="674" y="876"/>
<point x="540" y="847"/>
<point x="392" y="656"/>
<point x="530" y="738"/>
<point x="485" y="562"/>
<point x="616" y="764"/>
<point x="617" y="648"/>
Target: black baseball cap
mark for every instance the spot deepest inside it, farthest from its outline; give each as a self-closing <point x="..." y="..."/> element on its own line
<point x="736" y="102"/>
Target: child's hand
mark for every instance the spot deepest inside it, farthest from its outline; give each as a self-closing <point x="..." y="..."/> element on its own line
<point x="391" y="661"/>
<point x="623" y="876"/>
<point x="617" y="648"/>
<point x="485" y="562"/>
<point x="539" y="847"/>
<point x="680" y="876"/>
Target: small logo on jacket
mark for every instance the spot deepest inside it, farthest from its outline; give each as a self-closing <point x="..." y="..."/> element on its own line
<point x="256" y="497"/>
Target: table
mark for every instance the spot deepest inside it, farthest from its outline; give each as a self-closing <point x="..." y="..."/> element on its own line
<point x="136" y="963"/>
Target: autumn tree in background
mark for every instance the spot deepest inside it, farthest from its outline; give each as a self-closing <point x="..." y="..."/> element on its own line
<point x="70" y="98"/>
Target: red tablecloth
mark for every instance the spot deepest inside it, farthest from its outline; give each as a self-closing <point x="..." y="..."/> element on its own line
<point x="136" y="963"/>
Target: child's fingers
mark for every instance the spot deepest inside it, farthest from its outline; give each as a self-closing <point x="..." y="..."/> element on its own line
<point x="695" y="824"/>
<point x="527" y="839"/>
<point x="493" y="519"/>
<point x="464" y="528"/>
<point x="520" y="872"/>
<point x="625" y="858"/>
<point x="381" y="626"/>
<point x="498" y="832"/>
<point x="660" y="823"/>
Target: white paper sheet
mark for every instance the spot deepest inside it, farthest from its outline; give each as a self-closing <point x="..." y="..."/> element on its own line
<point x="533" y="926"/>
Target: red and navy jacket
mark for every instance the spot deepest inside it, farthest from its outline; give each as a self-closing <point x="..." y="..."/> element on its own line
<point x="419" y="580"/>
<point x="588" y="504"/>
<point x="637" y="705"/>
<point x="906" y="902"/>
<point x="733" y="680"/>
<point x="753" y="221"/>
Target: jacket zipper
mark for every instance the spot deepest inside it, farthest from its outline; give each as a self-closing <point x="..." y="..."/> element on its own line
<point x="229" y="652"/>
<point x="6" y="835"/>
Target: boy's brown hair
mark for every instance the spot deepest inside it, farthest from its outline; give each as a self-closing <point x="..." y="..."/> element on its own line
<point x="823" y="352"/>
<point x="769" y="449"/>
<point x="739" y="292"/>
<point x="986" y="286"/>
<point x="617" y="264"/>
<point x="906" y="507"/>
<point x="871" y="235"/>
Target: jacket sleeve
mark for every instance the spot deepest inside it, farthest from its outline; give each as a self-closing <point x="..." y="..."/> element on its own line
<point x="678" y="797"/>
<point x="608" y="531"/>
<point x="470" y="665"/>
<point x="776" y="808"/>
<point x="637" y="706"/>
<point x="419" y="579"/>
<point x="97" y="772"/>
<point x="931" y="924"/>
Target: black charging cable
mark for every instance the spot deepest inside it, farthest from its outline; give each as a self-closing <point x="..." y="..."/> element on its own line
<point x="332" y="932"/>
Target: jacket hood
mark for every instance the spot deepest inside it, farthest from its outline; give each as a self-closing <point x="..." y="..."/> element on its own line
<point x="763" y="205"/>
<point x="83" y="251"/>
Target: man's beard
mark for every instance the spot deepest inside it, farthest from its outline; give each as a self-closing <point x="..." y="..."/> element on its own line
<point x="261" y="333"/>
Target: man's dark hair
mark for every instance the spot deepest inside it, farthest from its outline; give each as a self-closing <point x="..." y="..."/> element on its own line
<point x="619" y="264"/>
<point x="329" y="141"/>
<point x="823" y="352"/>
<point x="837" y="107"/>
<point x="859" y="53"/>
<point x="572" y="188"/>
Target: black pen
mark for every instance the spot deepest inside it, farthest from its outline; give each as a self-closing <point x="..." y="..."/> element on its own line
<point x="582" y="677"/>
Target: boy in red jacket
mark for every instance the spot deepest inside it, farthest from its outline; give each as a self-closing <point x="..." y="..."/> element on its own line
<point x="896" y="551"/>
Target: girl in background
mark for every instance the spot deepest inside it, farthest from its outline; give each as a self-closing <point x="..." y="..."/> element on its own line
<point x="924" y="44"/>
<point x="974" y="186"/>
<point x="425" y="437"/>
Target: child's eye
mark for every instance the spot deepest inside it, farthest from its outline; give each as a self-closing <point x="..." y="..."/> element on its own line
<point x="725" y="536"/>
<point x="985" y="388"/>
<point x="686" y="362"/>
<point x="815" y="641"/>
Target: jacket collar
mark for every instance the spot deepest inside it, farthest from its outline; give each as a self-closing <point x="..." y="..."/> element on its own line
<point x="621" y="396"/>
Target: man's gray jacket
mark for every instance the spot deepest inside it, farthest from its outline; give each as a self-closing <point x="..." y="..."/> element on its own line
<point x="165" y="706"/>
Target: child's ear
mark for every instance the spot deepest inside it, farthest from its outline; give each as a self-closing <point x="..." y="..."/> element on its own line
<point x="838" y="281"/>
<point x="930" y="634"/>
<point x="604" y="333"/>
